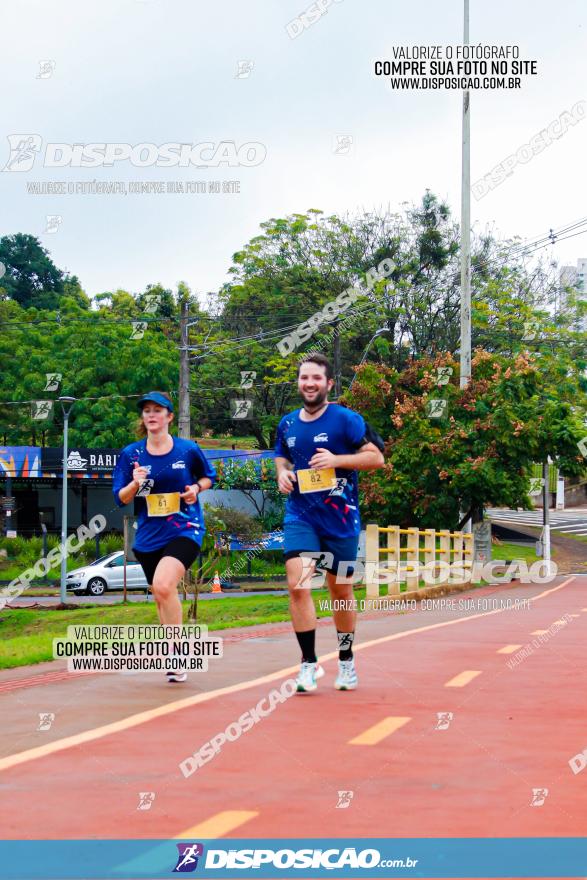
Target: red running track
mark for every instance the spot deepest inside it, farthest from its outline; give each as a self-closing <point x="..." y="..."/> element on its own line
<point x="514" y="729"/>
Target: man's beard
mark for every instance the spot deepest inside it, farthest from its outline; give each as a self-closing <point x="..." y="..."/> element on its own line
<point x="317" y="401"/>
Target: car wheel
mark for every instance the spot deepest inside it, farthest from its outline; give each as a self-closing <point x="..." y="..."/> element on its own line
<point x="96" y="586"/>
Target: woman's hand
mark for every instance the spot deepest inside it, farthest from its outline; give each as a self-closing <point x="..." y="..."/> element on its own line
<point x="139" y="474"/>
<point x="191" y="493"/>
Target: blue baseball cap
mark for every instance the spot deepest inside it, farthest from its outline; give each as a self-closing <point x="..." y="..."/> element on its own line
<point x="155" y="397"/>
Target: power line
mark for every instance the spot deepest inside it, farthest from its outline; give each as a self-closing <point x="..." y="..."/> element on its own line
<point x="554" y="235"/>
<point x="203" y="390"/>
<point x="515" y="251"/>
<point x="244" y="341"/>
<point x="100" y="322"/>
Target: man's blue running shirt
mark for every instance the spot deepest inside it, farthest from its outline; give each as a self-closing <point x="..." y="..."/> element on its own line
<point x="342" y="432"/>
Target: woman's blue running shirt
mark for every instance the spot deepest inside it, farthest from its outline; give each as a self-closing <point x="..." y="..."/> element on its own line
<point x="184" y="465"/>
<point x="341" y="431"/>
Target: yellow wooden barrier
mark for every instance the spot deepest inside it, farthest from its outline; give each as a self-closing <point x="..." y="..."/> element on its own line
<point x="440" y="546"/>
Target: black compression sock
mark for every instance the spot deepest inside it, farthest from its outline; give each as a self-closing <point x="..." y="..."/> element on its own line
<point x="307" y="641"/>
<point x="345" y="645"/>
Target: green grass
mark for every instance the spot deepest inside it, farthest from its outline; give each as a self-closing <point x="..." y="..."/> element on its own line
<point x="582" y="538"/>
<point x="226" y="441"/>
<point x="514" y="551"/>
<point x="26" y="634"/>
<point x="12" y="570"/>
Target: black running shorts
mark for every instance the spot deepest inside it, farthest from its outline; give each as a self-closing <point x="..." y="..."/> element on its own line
<point x="183" y="549"/>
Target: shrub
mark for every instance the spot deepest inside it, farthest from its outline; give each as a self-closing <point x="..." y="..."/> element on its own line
<point x="236" y="522"/>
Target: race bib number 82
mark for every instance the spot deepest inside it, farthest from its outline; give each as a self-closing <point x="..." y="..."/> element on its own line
<point x="314" y="480"/>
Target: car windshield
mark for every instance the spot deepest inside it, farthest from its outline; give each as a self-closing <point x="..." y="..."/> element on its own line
<point x="102" y="559"/>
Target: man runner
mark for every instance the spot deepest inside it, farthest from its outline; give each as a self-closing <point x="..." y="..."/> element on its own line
<point x="318" y="451"/>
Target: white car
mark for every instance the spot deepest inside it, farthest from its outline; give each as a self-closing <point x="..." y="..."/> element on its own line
<point x="106" y="573"/>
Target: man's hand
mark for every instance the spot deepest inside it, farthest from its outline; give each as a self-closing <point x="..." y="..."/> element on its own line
<point x="190" y="494"/>
<point x="139" y="474"/>
<point x="285" y="481"/>
<point x="323" y="459"/>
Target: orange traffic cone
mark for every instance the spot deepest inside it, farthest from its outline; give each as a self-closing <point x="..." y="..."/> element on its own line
<point x="216" y="588"/>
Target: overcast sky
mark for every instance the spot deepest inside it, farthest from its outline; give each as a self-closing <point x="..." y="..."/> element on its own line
<point x="160" y="71"/>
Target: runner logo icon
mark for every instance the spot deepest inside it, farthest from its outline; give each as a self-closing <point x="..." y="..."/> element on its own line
<point x="187" y="859"/>
<point x="23" y="149"/>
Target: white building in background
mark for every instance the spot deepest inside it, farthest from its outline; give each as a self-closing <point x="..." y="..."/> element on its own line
<point x="573" y="276"/>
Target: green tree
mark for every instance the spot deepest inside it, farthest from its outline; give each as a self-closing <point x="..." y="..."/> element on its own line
<point x="301" y="262"/>
<point x="216" y="383"/>
<point x="480" y="453"/>
<point x="32" y="278"/>
<point x="101" y="364"/>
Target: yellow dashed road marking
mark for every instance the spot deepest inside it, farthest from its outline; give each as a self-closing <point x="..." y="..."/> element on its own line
<point x="218" y="824"/>
<point x="379" y="731"/>
<point x="462" y="678"/>
<point x="509" y="649"/>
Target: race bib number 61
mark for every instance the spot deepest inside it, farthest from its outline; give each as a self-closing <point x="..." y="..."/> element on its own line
<point x="162" y="504"/>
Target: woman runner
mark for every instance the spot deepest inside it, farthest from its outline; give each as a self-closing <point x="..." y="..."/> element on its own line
<point x="166" y="474"/>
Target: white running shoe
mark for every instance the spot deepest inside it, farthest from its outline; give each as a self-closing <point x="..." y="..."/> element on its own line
<point x="306" y="680"/>
<point x="346" y="680"/>
<point x="176" y="674"/>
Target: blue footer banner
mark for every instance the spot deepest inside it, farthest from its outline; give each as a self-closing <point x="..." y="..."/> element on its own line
<point x="332" y="857"/>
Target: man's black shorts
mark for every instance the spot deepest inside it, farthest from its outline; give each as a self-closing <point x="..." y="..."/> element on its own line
<point x="183" y="549"/>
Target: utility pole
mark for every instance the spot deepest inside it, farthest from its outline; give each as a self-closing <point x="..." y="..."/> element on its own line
<point x="466" y="226"/>
<point x="336" y="361"/>
<point x="183" y="421"/>
<point x="546" y="514"/>
<point x="466" y="233"/>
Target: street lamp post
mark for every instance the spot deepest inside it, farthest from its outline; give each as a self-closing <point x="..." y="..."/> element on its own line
<point x="366" y="352"/>
<point x="66" y="405"/>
